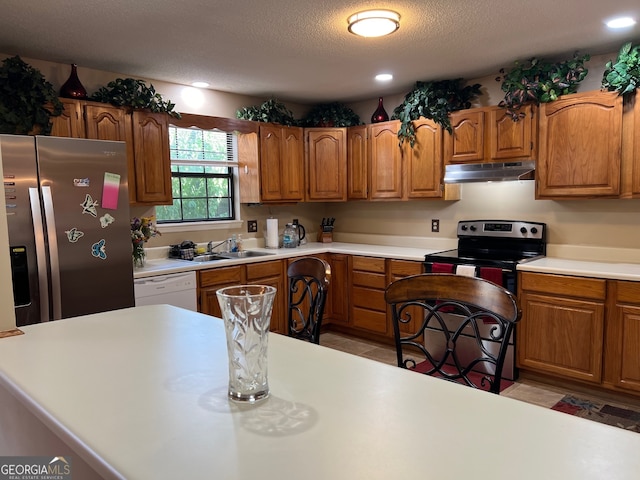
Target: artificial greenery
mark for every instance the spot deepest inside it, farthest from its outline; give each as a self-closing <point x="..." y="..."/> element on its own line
<point x="333" y="114"/>
<point x="271" y="111"/>
<point x="434" y="100"/>
<point x="129" y="92"/>
<point x="540" y="81"/>
<point x="27" y="100"/>
<point x="623" y="76"/>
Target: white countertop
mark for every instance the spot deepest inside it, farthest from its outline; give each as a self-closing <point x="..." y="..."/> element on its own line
<point x="561" y="266"/>
<point x="140" y="394"/>
<point x="161" y="266"/>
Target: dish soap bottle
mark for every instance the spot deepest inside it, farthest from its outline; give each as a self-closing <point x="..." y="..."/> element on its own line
<point x="290" y="236"/>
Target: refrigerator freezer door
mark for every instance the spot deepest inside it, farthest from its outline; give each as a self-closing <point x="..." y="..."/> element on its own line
<point x="18" y="155"/>
<point x="86" y="207"/>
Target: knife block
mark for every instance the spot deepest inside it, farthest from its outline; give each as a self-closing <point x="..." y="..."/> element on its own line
<point x="325" y="237"/>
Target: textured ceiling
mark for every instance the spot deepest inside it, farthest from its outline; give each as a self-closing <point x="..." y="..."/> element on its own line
<point x="300" y="50"/>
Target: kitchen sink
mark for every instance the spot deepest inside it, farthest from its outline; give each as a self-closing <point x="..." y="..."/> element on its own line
<point x="208" y="257"/>
<point x="244" y="254"/>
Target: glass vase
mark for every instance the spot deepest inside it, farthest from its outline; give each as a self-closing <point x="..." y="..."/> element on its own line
<point x="139" y="255"/>
<point x="380" y="115"/>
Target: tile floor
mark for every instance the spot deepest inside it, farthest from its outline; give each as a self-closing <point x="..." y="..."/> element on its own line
<point x="525" y="390"/>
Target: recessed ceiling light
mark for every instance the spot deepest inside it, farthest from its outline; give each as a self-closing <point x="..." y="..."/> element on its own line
<point x="374" y="23"/>
<point x="384" y="77"/>
<point x="200" y="84"/>
<point x="621" y="22"/>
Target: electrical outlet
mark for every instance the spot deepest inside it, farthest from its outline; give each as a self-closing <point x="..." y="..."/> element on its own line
<point x="435" y="225"/>
<point x="252" y="226"/>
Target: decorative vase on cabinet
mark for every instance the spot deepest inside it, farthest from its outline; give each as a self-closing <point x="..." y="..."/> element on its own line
<point x="73" y="88"/>
<point x="380" y="115"/>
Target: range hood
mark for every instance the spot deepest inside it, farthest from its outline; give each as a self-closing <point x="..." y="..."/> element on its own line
<point x="490" y="172"/>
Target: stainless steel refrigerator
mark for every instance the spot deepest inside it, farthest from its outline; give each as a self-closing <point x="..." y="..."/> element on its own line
<point x="69" y="226"/>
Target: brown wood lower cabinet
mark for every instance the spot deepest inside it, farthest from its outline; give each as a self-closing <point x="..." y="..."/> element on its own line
<point x="400" y="269"/>
<point x="622" y="347"/>
<point x="337" y="310"/>
<point x="368" y="283"/>
<point x="562" y="328"/>
<point x="263" y="273"/>
<point x="271" y="273"/>
<point x="210" y="281"/>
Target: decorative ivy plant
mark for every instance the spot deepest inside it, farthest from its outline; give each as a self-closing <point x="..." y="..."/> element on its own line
<point x="538" y="81"/>
<point x="271" y="111"/>
<point x="333" y="114"/>
<point x="129" y="92"/>
<point x="433" y="100"/>
<point x="623" y="76"/>
<point x="27" y="100"/>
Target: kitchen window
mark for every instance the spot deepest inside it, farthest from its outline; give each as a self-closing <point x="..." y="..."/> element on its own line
<point x="202" y="171"/>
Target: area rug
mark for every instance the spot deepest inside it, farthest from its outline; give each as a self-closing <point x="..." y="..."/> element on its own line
<point x="600" y="412"/>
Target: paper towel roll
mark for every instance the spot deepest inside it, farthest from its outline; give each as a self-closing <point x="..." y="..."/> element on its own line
<point x="272" y="233"/>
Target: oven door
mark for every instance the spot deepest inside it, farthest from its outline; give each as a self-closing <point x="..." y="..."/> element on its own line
<point x="468" y="348"/>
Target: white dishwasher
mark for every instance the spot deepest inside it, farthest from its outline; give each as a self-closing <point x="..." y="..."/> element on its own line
<point x="178" y="289"/>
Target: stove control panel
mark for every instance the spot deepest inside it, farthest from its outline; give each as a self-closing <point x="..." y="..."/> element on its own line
<point x="501" y="228"/>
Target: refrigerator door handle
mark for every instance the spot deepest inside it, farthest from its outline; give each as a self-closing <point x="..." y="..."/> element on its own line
<point x="56" y="295"/>
<point x="41" y="257"/>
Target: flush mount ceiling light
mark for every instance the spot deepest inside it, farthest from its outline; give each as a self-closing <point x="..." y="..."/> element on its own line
<point x="374" y="23"/>
<point x="200" y="84"/>
<point x="384" y="77"/>
<point x="621" y="22"/>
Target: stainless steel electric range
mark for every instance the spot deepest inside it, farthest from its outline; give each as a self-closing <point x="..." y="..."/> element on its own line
<point x="491" y="249"/>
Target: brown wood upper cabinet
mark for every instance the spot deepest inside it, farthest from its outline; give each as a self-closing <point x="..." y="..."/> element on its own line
<point x="489" y="134"/>
<point x="580" y="146"/>
<point x="401" y="172"/>
<point x="281" y="163"/>
<point x="326" y="164"/>
<point x="357" y="163"/>
<point x="145" y="133"/>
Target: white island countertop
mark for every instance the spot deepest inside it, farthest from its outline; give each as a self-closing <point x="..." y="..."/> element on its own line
<point x="141" y="394"/>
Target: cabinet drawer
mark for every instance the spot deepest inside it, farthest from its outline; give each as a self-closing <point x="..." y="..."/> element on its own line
<point x="217" y="276"/>
<point x="593" y="288"/>
<point x="628" y="292"/>
<point x="264" y="270"/>
<point x="369" y="320"/>
<point x="368" y="298"/>
<point x="366" y="279"/>
<point x="368" y="264"/>
<point x="403" y="268"/>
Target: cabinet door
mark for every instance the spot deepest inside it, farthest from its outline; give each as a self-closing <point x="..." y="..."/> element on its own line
<point x="293" y="164"/>
<point x="466" y="142"/>
<point x="152" y="158"/>
<point x="249" y="167"/>
<point x="622" y="360"/>
<point x="271" y="273"/>
<point x="71" y="122"/>
<point x="106" y="122"/>
<point x="508" y="139"/>
<point x="423" y="163"/>
<point x="385" y="162"/>
<point x="326" y="164"/>
<point x="580" y="146"/>
<point x="357" y="163"/>
<point x="400" y="269"/>
<point x="210" y="281"/>
<point x="281" y="163"/>
<point x="338" y="300"/>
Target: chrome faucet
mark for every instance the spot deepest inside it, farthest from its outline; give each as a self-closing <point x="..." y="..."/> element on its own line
<point x="211" y="246"/>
